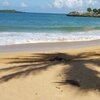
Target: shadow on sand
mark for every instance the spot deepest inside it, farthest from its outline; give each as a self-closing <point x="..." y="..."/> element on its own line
<point x="80" y="71"/>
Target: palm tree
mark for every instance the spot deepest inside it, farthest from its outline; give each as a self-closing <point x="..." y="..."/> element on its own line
<point x="98" y="11"/>
<point x="95" y="10"/>
<point x="89" y="9"/>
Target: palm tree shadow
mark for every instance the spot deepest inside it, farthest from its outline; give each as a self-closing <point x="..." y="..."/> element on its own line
<point x="87" y="78"/>
<point x="80" y="70"/>
<point x="32" y="65"/>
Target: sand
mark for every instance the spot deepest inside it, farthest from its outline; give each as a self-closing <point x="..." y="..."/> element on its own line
<point x="35" y="76"/>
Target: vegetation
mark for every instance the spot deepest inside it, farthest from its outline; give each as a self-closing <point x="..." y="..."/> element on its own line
<point x="99" y="11"/>
<point x="13" y="11"/>
<point x="93" y="10"/>
<point x="89" y="9"/>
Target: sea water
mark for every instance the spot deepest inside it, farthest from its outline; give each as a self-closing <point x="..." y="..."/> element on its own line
<point x="20" y="28"/>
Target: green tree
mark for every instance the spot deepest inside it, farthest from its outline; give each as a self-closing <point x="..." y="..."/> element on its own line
<point x="95" y="10"/>
<point x="98" y="11"/>
<point x="89" y="9"/>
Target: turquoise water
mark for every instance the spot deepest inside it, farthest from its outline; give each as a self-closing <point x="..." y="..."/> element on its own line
<point x="37" y="27"/>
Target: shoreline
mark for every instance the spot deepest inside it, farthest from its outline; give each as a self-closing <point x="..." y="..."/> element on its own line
<point x="37" y="47"/>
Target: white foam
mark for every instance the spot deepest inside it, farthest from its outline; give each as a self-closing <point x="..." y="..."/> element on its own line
<point x="9" y="38"/>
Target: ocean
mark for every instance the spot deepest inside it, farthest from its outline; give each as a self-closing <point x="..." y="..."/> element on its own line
<point x="21" y="28"/>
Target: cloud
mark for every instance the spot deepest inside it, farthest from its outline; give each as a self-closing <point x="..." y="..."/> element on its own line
<point x="73" y="3"/>
<point x="6" y="3"/>
<point x="24" y="4"/>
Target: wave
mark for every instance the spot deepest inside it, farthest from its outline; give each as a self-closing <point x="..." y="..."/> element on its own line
<point x="78" y="28"/>
<point x="8" y="38"/>
<point x="46" y="28"/>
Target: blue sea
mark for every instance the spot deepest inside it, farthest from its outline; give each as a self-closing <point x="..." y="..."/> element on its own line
<point x="20" y="28"/>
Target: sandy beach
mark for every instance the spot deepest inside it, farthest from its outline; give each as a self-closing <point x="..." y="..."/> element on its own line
<point x="50" y="71"/>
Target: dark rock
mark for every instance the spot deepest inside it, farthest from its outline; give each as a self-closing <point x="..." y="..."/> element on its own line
<point x="78" y="14"/>
<point x="73" y="14"/>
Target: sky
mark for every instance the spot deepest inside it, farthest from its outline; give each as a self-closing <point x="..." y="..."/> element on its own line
<point x="49" y="6"/>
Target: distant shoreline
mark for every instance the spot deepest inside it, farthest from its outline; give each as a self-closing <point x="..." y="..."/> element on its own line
<point x="89" y="13"/>
<point x="82" y="15"/>
<point x="10" y="11"/>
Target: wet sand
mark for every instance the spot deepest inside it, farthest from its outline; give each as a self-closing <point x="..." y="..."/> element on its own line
<point x="36" y="47"/>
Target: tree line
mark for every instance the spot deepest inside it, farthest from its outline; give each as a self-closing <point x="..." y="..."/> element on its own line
<point x="93" y="10"/>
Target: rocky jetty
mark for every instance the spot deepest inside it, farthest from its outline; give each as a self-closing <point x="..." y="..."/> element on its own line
<point x="87" y="14"/>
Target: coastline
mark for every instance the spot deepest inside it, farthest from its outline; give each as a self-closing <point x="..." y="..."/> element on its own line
<point x="36" y="47"/>
<point x="51" y="70"/>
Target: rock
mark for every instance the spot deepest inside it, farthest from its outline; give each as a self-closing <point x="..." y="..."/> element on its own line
<point x="73" y="14"/>
<point x="78" y="14"/>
